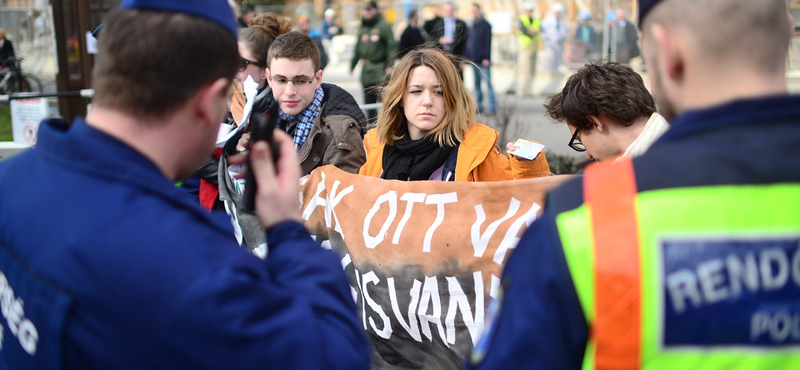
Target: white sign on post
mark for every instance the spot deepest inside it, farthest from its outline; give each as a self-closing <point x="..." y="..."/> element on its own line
<point x="25" y="117"/>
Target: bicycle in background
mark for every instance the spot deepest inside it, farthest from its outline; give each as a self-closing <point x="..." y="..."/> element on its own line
<point x="13" y="80"/>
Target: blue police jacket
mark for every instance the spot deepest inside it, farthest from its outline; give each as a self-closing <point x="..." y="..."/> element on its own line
<point x="540" y="323"/>
<point x="107" y="265"/>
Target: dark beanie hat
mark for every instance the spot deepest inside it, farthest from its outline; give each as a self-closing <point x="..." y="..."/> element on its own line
<point x="217" y="11"/>
<point x="645" y="6"/>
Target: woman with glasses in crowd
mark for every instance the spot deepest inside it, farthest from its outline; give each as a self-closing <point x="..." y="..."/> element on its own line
<point x="254" y="43"/>
<point x="427" y="131"/>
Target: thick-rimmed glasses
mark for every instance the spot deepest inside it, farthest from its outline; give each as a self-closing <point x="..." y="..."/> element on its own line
<point x="243" y="63"/>
<point x="576" y="143"/>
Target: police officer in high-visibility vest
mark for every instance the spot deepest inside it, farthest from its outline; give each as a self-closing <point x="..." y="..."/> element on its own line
<point x="687" y="257"/>
<point x="528" y="29"/>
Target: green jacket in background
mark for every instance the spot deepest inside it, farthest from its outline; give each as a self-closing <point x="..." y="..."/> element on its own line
<point x="376" y="46"/>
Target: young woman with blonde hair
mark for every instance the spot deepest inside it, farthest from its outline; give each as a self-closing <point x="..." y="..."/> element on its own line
<point x="427" y="131"/>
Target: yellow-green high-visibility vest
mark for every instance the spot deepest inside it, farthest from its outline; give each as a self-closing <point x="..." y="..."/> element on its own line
<point x="535" y="23"/>
<point x="685" y="278"/>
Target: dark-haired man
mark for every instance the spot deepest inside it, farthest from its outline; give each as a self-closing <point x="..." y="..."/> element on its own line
<point x="687" y="257"/>
<point x="608" y="110"/>
<point x="105" y="264"/>
<point x="479" y="52"/>
<point x="324" y="121"/>
<point x="411" y="38"/>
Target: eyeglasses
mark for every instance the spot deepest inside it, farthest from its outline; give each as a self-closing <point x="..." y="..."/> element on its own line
<point x="575" y="143"/>
<point x="299" y="83"/>
<point x="243" y="63"/>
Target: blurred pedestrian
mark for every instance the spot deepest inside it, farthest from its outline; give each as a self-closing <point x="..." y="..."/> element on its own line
<point x="375" y="46"/>
<point x="412" y="36"/>
<point x="248" y="13"/>
<point x="479" y="52"/>
<point x="554" y="33"/>
<point x="451" y="34"/>
<point x="433" y="20"/>
<point x="528" y="29"/>
<point x="584" y="43"/>
<point x="327" y="30"/>
<point x="6" y="48"/>
<point x="328" y="27"/>
<point x="627" y="39"/>
<point x="304" y="26"/>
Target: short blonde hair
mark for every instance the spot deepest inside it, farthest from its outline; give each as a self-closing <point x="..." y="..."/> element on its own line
<point x="459" y="114"/>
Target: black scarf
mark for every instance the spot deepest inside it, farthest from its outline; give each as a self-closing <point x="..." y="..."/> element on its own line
<point x="413" y="160"/>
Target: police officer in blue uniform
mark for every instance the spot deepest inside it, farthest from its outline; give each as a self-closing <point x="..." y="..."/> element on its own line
<point x="687" y="257"/>
<point x="105" y="264"/>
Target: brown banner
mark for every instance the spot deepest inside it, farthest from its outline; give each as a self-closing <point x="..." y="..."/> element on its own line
<point x="423" y="257"/>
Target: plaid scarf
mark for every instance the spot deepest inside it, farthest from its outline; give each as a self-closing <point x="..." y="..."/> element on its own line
<point x="304" y="119"/>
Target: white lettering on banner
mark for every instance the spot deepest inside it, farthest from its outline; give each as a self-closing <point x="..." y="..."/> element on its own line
<point x="721" y="279"/>
<point x="439" y="200"/>
<point x="458" y="300"/>
<point x="386" y="332"/>
<point x="329" y="203"/>
<point x="430" y="295"/>
<point x="494" y="291"/>
<point x="425" y="308"/>
<point x="363" y="305"/>
<point x="332" y="201"/>
<point x="511" y="239"/>
<point x="481" y="241"/>
<point x="346" y="260"/>
<point x="373" y="241"/>
<point x="316" y="200"/>
<point x="14" y="313"/>
<point x="410" y="199"/>
<point x="780" y="326"/>
<point x="411" y="327"/>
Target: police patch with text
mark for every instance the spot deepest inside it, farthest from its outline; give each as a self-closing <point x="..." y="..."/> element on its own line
<point x="731" y="291"/>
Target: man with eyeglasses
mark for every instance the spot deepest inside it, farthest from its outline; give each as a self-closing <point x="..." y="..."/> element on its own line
<point x="324" y="120"/>
<point x="608" y="110"/>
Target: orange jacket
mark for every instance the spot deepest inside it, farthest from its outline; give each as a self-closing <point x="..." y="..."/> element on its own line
<point x="479" y="158"/>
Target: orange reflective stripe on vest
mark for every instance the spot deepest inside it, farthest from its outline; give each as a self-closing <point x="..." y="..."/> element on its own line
<point x="616" y="330"/>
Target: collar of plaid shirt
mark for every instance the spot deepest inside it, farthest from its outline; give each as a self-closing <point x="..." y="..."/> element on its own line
<point x="304" y="119"/>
